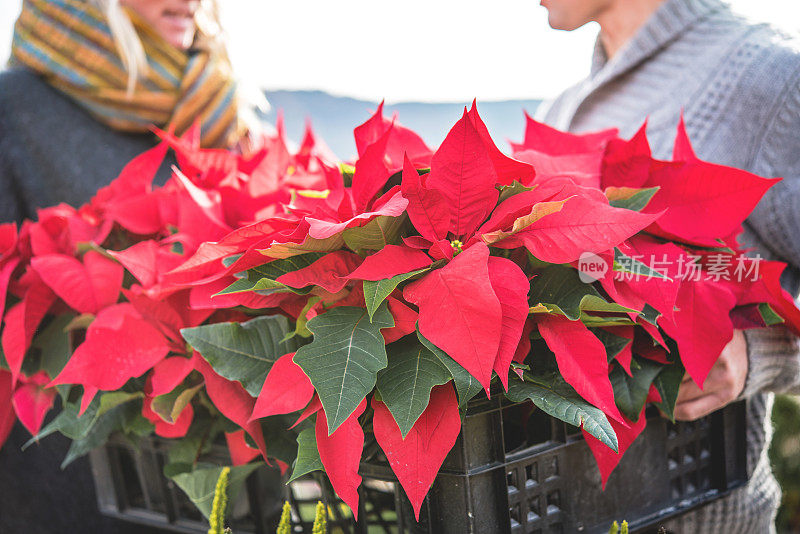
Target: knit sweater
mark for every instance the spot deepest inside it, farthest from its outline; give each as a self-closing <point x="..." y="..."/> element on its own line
<point x="52" y="151"/>
<point x="738" y="85"/>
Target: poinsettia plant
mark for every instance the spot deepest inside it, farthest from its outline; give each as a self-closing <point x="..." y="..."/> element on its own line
<point x="302" y="307"/>
<point x="86" y="297"/>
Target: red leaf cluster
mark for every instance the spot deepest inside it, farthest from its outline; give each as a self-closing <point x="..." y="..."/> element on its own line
<point x="451" y="239"/>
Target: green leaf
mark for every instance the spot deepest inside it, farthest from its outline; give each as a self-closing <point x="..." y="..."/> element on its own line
<point x="198" y="441"/>
<point x="138" y="426"/>
<point x="650" y="314"/>
<point x="466" y="385"/>
<point x="81" y="322"/>
<point x="376" y="292"/>
<point x="170" y="405"/>
<point x="69" y="423"/>
<point x="562" y="291"/>
<point x="199" y="484"/>
<point x="171" y="470"/>
<point x="278" y="268"/>
<point x="54" y="345"/>
<point x="374" y="235"/>
<point x="344" y="358"/>
<point x="554" y="396"/>
<point x="668" y="382"/>
<point x="593" y="321"/>
<point x="612" y="342"/>
<point x="307" y="455"/>
<point x="242" y="285"/>
<point x="310" y="245"/>
<point x="302" y="319"/>
<point x="97" y="434"/>
<point x="262" y="278"/>
<point x="82" y="247"/>
<point x="112" y="399"/>
<point x="348" y="171"/>
<point x="243" y="352"/>
<point x="282" y="442"/>
<point x="630" y="392"/>
<point x="508" y="191"/>
<point x="637" y="201"/>
<point x="405" y="385"/>
<point x="768" y="315"/>
<point x="230" y="260"/>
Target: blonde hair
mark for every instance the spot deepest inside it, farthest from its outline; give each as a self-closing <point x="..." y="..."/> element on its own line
<point x="130" y="46"/>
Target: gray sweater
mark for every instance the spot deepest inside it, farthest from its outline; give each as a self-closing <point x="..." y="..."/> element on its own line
<point x="52" y="150"/>
<point x="739" y="86"/>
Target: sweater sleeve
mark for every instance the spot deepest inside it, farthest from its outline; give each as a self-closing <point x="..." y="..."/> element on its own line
<point x="774" y="353"/>
<point x="776" y="219"/>
<point x="9" y="195"/>
<point x="773" y="362"/>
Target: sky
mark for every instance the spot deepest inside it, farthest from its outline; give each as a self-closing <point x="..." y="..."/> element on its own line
<point x="415" y="50"/>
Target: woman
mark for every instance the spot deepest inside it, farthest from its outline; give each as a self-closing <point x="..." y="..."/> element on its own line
<point x="86" y="82"/>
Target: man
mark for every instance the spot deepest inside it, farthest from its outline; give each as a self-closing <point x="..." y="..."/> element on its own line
<point x="738" y="85"/>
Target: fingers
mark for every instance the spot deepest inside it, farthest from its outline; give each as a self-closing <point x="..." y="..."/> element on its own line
<point x="689" y="392"/>
<point x="692" y="403"/>
<point x="720" y="388"/>
<point x="695" y="409"/>
<point x="723" y="384"/>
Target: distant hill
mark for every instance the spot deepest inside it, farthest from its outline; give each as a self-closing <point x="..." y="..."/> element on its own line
<point x="335" y="117"/>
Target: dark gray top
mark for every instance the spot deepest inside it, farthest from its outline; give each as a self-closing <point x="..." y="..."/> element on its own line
<point x="52" y="150"/>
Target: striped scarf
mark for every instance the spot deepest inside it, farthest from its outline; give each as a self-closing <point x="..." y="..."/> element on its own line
<point x="69" y="43"/>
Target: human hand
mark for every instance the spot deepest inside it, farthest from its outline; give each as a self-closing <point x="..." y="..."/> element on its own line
<point x="724" y="383"/>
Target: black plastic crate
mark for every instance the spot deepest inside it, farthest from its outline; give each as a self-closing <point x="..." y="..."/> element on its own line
<point x="131" y="486"/>
<point x="512" y="471"/>
<point x="504" y="477"/>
